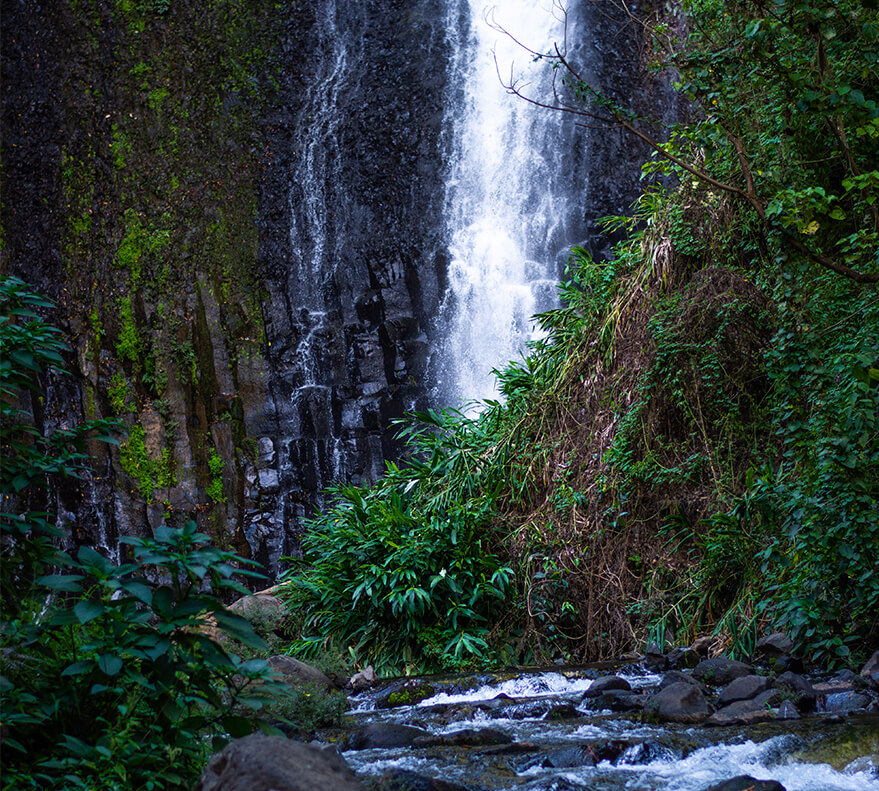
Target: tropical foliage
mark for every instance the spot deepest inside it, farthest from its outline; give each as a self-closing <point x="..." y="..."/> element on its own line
<point x="694" y="443"/>
<point x="109" y="678"/>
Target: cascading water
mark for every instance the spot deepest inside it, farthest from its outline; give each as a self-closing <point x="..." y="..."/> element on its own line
<point x="510" y="207"/>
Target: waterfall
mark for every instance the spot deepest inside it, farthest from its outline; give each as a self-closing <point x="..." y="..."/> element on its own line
<point x="509" y="211"/>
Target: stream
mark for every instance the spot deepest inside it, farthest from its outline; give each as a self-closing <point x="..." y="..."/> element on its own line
<point x="537" y="732"/>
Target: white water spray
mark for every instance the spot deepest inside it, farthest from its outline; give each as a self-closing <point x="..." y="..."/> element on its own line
<point x="508" y="204"/>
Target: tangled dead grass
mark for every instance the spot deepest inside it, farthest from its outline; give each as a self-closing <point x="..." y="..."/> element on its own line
<point x="596" y="567"/>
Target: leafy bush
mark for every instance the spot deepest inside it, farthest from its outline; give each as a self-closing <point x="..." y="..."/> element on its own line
<point x="403" y="573"/>
<point x="108" y="675"/>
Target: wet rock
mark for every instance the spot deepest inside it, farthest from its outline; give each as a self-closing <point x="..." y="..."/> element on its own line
<point x="798" y="689"/>
<point x="747" y="783"/>
<point x="721" y="670"/>
<point x="743" y="688"/>
<point x="605" y="683"/>
<point x="842" y="702"/>
<point x="678" y="702"/>
<point x="655" y="658"/>
<point x="868" y="764"/>
<point x="385" y="736"/>
<point x="647" y="752"/>
<point x="684" y="657"/>
<point x="295" y="671"/>
<point x="264" y="611"/>
<point x="618" y="700"/>
<point x="404" y="780"/>
<point x="676" y="676"/>
<point x="787" y="711"/>
<point x="746" y="712"/>
<point x="870" y="671"/>
<point x="775" y="645"/>
<point x="362" y="680"/>
<point x="701" y="645"/>
<point x="468" y="737"/>
<point x="272" y="763"/>
<point x="407" y="693"/>
<point x="574" y="756"/>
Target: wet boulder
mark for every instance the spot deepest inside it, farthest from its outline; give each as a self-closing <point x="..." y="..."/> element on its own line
<point x="842" y="702"/>
<point x="385" y="736"/>
<point x="407" y="693"/>
<point x="775" y="645"/>
<point x="870" y="671"/>
<point x="618" y="700"/>
<point x="684" y="657"/>
<point x="747" y="783"/>
<point x="678" y="702"/>
<point x="605" y="683"/>
<point x="296" y="672"/>
<point x="467" y="737"/>
<point x="404" y="780"/>
<point x="676" y="676"/>
<point x="721" y="670"/>
<point x="647" y="752"/>
<point x="272" y="763"/>
<point x="746" y="712"/>
<point x="798" y="690"/>
<point x="743" y="688"/>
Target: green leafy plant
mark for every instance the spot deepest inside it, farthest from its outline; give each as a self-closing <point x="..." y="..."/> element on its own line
<point x="109" y="675"/>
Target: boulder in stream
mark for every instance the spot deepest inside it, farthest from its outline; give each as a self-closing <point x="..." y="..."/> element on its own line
<point x="678" y="702"/>
<point x="605" y="683"/>
<point x="467" y="737"/>
<point x="743" y="688"/>
<point x="404" y="780"/>
<point x="385" y="735"/>
<point x="798" y="689"/>
<point x="747" y="783"/>
<point x="259" y="762"/>
<point x="721" y="670"/>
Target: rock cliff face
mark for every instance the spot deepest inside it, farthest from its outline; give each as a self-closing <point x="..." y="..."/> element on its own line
<point x="237" y="210"/>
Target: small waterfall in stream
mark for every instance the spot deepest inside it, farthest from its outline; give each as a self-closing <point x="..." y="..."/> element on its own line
<point x="510" y="204"/>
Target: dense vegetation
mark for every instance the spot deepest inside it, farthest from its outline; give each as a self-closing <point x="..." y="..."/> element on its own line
<point x="693" y="446"/>
<point x="109" y="678"/>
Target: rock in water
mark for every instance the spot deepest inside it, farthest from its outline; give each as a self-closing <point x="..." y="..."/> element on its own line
<point x="721" y="670"/>
<point x="747" y="783"/>
<point x="678" y="702"/>
<point x="271" y="763"/>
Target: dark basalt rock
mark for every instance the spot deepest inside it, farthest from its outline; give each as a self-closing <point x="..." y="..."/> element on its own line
<point x="747" y="783"/>
<point x="684" y="657"/>
<point x="404" y="780"/>
<point x="743" y="688"/>
<point x="798" y="689"/>
<point x="605" y="683"/>
<point x="385" y="736"/>
<point x="678" y="676"/>
<point x="468" y="737"/>
<point x="272" y="763"/>
<point x="678" y="702"/>
<point x="721" y="670"/>
<point x="407" y="693"/>
<point x="842" y="702"/>
<point x="775" y="645"/>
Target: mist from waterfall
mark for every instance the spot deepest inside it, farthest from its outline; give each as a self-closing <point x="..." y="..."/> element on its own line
<point x="508" y="205"/>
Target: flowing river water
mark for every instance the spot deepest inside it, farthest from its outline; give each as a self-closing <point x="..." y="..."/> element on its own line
<point x="536" y="732"/>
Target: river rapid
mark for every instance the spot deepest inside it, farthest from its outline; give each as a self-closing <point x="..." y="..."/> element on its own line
<point x="535" y="731"/>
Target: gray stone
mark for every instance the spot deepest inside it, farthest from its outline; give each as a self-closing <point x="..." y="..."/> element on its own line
<point x="799" y="690"/>
<point x="267" y="453"/>
<point x="295" y="671"/>
<point x="870" y="670"/>
<point x="269" y="481"/>
<point x="742" y="712"/>
<point x="787" y="711"/>
<point x="404" y="780"/>
<point x="775" y="645"/>
<point x="385" y="736"/>
<point x="674" y="676"/>
<point x="743" y="688"/>
<point x="701" y="645"/>
<point x="747" y="783"/>
<point x="272" y="763"/>
<point x="684" y="657"/>
<point x="362" y="680"/>
<point x="721" y="670"/>
<point x="605" y="683"/>
<point x="841" y="702"/>
<point x="467" y="737"/>
<point x="678" y="702"/>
